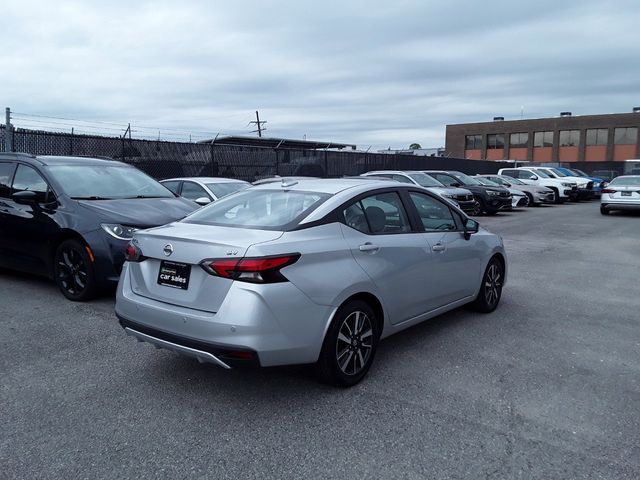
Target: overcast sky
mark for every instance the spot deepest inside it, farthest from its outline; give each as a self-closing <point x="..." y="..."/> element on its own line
<point x="374" y="73"/>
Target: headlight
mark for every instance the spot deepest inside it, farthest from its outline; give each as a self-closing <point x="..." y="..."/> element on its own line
<point x="565" y="184"/>
<point x="121" y="232"/>
<point x="492" y="193"/>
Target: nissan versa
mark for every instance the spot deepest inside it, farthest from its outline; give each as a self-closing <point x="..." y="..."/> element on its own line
<point x="71" y="218"/>
<point x="309" y="271"/>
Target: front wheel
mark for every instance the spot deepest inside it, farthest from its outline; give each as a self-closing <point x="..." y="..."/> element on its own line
<point x="491" y="287"/>
<point x="73" y="271"/>
<point x="603" y="210"/>
<point x="350" y="345"/>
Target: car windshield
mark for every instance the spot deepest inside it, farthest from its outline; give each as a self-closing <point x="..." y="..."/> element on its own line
<point x="106" y="182"/>
<point x="260" y="209"/>
<point x="425" y="180"/>
<point x="466" y="179"/>
<point x="486" y="182"/>
<point x="620" y="181"/>
<point x="541" y="173"/>
<point x="580" y="172"/>
<point x="559" y="173"/>
<point x="226" y="188"/>
<point x="513" y="181"/>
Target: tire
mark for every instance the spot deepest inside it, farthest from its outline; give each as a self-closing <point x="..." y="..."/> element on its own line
<point x="557" y="198"/>
<point x="345" y="358"/>
<point x="603" y="210"/>
<point x="477" y="209"/>
<point x="491" y="287"/>
<point x="73" y="271"/>
<point x="531" y="202"/>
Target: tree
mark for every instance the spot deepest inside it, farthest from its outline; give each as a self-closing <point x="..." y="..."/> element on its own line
<point x="415" y="146"/>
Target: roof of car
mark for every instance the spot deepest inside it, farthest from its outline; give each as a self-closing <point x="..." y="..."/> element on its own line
<point x="60" y="160"/>
<point x="392" y="172"/>
<point x="204" y="180"/>
<point x="327" y="185"/>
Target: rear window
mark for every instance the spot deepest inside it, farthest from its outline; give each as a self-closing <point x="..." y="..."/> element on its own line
<point x="631" y="181"/>
<point x="223" y="189"/>
<point x="260" y="209"/>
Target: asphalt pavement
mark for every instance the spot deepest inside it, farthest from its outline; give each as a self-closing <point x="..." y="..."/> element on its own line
<point x="546" y="387"/>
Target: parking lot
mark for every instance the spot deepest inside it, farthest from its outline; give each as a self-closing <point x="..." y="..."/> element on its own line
<point x="548" y="386"/>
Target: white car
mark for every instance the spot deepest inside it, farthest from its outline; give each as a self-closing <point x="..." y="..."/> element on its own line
<point x="622" y="193"/>
<point x="204" y="190"/>
<point x="563" y="189"/>
<point x="585" y="185"/>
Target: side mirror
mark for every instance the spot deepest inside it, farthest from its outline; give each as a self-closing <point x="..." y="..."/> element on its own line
<point x="26" y="197"/>
<point x="470" y="227"/>
<point x="535" y="177"/>
<point x="203" y="201"/>
<point x="456" y="185"/>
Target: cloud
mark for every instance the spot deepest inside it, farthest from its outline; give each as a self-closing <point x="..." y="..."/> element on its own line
<point x="377" y="75"/>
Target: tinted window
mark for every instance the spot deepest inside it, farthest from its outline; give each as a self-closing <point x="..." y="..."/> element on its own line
<point x="626" y="136"/>
<point x="569" y="138"/>
<point x="525" y="174"/>
<point x="106" y="181"/>
<point x="597" y="136"/>
<point x="262" y="209"/>
<point x="27" y="178"/>
<point x="354" y="217"/>
<point x="385" y="213"/>
<point x="172" y="185"/>
<point x="519" y="140"/>
<point x="473" y="142"/>
<point x="6" y="172"/>
<point x="435" y="215"/>
<point x="227" y="188"/>
<point x="193" y="191"/>
<point x="511" y="173"/>
<point x="543" y="139"/>
<point x="495" y="141"/>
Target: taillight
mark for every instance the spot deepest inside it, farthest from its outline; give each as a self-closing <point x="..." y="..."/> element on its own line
<point x="133" y="253"/>
<point x="608" y="190"/>
<point x="253" y="270"/>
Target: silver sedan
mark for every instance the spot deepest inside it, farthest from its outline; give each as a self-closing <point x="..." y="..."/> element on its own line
<point x="622" y="193"/>
<point x="309" y="271"/>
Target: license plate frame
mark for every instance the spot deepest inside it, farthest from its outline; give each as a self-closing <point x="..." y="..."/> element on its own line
<point x="625" y="194"/>
<point x="174" y="274"/>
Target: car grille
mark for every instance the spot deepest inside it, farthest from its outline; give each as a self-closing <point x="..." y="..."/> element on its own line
<point x="504" y="194"/>
<point x="464" y="198"/>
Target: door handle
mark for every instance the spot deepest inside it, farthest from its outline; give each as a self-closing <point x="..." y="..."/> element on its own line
<point x="438" y="247"/>
<point x="369" y="247"/>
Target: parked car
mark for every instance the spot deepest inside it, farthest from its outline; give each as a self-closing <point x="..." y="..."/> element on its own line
<point x="285" y="179"/>
<point x="537" y="195"/>
<point x="518" y="197"/>
<point x="585" y="185"/>
<point x="314" y="271"/>
<point x="622" y="193"/>
<point x="562" y="189"/>
<point x="598" y="183"/>
<point x="204" y="190"/>
<point x="461" y="196"/>
<point x="71" y="218"/>
<point x="490" y="199"/>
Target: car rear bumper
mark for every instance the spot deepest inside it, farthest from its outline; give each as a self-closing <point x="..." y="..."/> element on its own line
<point x="621" y="206"/>
<point x="277" y="323"/>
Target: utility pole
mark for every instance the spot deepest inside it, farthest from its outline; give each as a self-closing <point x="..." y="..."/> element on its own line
<point x="8" y="131"/>
<point x="258" y="124"/>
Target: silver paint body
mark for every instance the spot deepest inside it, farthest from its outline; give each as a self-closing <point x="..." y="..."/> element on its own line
<point x="285" y="323"/>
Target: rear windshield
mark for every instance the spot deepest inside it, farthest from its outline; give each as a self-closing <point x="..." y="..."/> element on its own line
<point x="223" y="189"/>
<point x="632" y="181"/>
<point x="260" y="209"/>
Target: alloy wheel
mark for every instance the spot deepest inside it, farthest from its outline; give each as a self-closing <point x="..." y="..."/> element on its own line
<point x="355" y="343"/>
<point x="72" y="271"/>
<point x="493" y="284"/>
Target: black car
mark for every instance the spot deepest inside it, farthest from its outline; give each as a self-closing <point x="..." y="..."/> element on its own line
<point x="490" y="199"/>
<point x="71" y="218"/>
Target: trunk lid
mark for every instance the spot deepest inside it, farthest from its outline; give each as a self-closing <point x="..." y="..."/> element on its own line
<point x="189" y="245"/>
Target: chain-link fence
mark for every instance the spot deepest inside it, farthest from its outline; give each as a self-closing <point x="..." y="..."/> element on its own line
<point x="165" y="159"/>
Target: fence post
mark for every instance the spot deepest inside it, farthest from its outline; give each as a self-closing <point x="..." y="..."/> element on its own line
<point x="326" y="164"/>
<point x="8" y="131"/>
<point x="71" y="143"/>
<point x="277" y="163"/>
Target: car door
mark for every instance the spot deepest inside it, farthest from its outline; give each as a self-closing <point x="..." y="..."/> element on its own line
<point x="455" y="260"/>
<point x="30" y="228"/>
<point x="192" y="191"/>
<point x="6" y="176"/>
<point x="391" y="251"/>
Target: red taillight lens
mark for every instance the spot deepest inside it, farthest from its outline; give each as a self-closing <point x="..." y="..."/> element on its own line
<point x="254" y="270"/>
<point x="608" y="190"/>
<point x="133" y="253"/>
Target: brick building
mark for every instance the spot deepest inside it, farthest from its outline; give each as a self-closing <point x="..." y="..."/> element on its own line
<point x="567" y="138"/>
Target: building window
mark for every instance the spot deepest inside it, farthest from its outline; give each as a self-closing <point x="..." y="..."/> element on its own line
<point x="569" y="138"/>
<point x="626" y="136"/>
<point x="473" y="142"/>
<point x="519" y="140"/>
<point x="597" y="136"/>
<point x="495" y="141"/>
<point x="543" y="139"/>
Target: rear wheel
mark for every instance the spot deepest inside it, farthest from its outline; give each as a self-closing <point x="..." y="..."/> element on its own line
<point x="73" y="271"/>
<point x="491" y="287"/>
<point x="603" y="210"/>
<point x="349" y="346"/>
